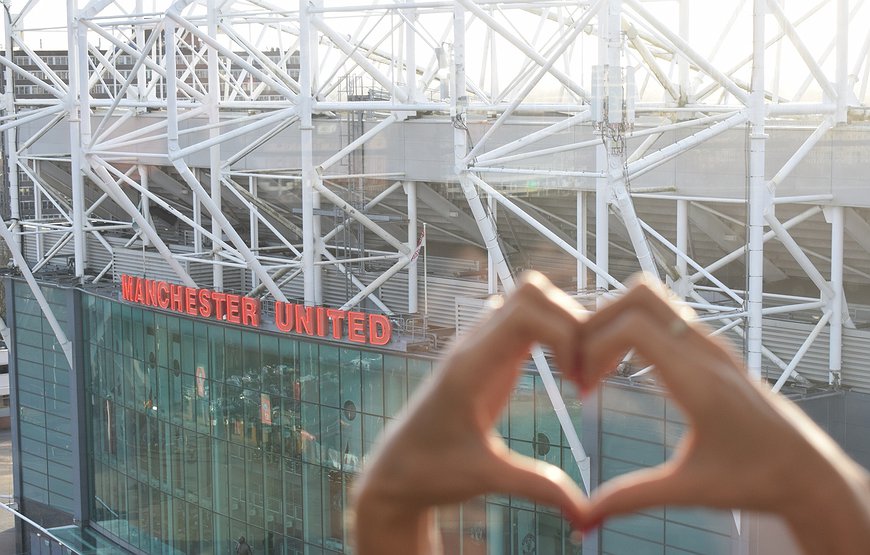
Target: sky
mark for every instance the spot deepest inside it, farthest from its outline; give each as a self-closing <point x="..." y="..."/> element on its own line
<point x="785" y="68"/>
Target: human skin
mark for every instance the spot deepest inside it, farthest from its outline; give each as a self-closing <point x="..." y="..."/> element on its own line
<point x="745" y="446"/>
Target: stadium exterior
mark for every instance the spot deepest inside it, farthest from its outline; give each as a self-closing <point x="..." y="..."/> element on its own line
<point x="241" y="234"/>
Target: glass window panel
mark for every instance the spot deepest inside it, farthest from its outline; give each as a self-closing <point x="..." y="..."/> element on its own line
<point x="548" y="432"/>
<point x="216" y="359"/>
<point x="310" y="432"/>
<point x="254" y="486"/>
<point x="221" y="482"/>
<point x="309" y="368"/>
<point x="252" y="366"/>
<point x="176" y="395"/>
<point x="350" y="399"/>
<point x="474" y="527"/>
<point x="524" y="538"/>
<point x="333" y="513"/>
<point x="155" y="339"/>
<point x="351" y="440"/>
<point x="522" y="409"/>
<point x="269" y="350"/>
<point x="272" y="370"/>
<point x="330" y="437"/>
<point x="329" y="372"/>
<point x="372" y="428"/>
<point x="233" y="356"/>
<point x="200" y="391"/>
<point x="188" y="400"/>
<point x="188" y="365"/>
<point x="235" y="414"/>
<point x="418" y="371"/>
<point x="372" y="373"/>
<point x="293" y="499"/>
<point x="237" y="488"/>
<point x="219" y="402"/>
<point x="395" y="384"/>
<point x="174" y="336"/>
<point x="254" y="416"/>
<point x="115" y="310"/>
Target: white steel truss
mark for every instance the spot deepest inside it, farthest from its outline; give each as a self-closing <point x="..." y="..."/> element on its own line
<point x="268" y="146"/>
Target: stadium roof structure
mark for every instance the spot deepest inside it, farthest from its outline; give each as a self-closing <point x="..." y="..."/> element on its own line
<point x="300" y="153"/>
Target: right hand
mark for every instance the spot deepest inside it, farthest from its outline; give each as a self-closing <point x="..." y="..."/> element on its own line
<point x="745" y="447"/>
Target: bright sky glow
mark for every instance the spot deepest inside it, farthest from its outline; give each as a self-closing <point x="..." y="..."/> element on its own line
<point x="720" y="31"/>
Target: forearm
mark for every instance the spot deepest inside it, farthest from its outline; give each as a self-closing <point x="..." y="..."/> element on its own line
<point x="832" y="514"/>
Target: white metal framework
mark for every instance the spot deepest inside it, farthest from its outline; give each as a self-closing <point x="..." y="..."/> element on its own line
<point x="262" y="147"/>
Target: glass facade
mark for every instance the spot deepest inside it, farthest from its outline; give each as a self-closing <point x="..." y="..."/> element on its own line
<point x="42" y="396"/>
<point x="200" y="433"/>
<point x="641" y="428"/>
<point x="195" y="433"/>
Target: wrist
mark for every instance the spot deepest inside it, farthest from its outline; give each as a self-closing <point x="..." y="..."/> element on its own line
<point x="381" y="526"/>
<point x="830" y="512"/>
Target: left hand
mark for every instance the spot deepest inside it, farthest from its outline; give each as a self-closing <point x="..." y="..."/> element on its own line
<point x="443" y="448"/>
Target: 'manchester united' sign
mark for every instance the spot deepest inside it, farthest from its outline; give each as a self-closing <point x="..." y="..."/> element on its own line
<point x="359" y="327"/>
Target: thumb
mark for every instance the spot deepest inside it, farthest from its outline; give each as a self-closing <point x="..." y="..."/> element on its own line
<point x="652" y="487"/>
<point x="540" y="482"/>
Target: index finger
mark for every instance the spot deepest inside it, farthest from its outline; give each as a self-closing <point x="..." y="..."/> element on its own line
<point x="684" y="354"/>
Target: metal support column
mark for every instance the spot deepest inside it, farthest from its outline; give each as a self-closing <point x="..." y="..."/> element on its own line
<point x="835" y="353"/>
<point x="254" y="224"/>
<point x="844" y="87"/>
<point x="10" y="145"/>
<point x="582" y="281"/>
<point x="77" y="60"/>
<point x="308" y="175"/>
<point x="683" y="246"/>
<point x="758" y="195"/>
<point x="411" y="192"/>
<point x="144" y="202"/>
<point x="491" y="273"/>
<point x="214" y="153"/>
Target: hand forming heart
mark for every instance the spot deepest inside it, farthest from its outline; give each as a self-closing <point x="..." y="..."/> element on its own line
<point x="740" y="451"/>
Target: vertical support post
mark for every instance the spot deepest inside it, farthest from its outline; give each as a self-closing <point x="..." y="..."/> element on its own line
<point x="214" y="152"/>
<point x="307" y="139"/>
<point x="10" y="149"/>
<point x="683" y="63"/>
<point x="758" y="195"/>
<point x="410" y="55"/>
<point x="411" y="192"/>
<point x="835" y="352"/>
<point x="144" y="202"/>
<point x="254" y="224"/>
<point x="682" y="236"/>
<point x="844" y="89"/>
<point x="37" y="213"/>
<point x="491" y="271"/>
<point x="77" y="409"/>
<point x="318" y="242"/>
<point x="314" y="74"/>
<point x="590" y="408"/>
<point x="76" y="59"/>
<point x="582" y="281"/>
<point x="141" y="75"/>
<point x="602" y="184"/>
<point x="197" y="217"/>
